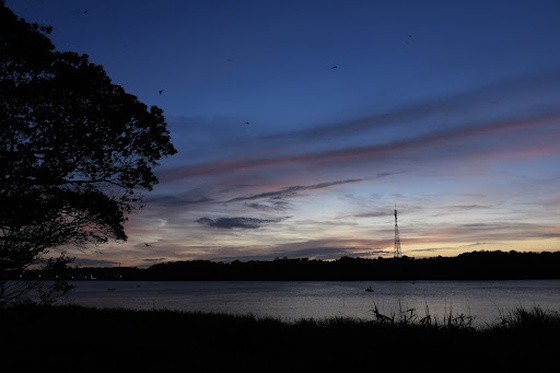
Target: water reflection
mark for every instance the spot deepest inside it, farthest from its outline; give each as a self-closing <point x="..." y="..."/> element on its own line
<point x="290" y="300"/>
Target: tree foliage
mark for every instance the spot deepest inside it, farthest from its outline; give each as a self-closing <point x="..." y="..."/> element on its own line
<point x="76" y="151"/>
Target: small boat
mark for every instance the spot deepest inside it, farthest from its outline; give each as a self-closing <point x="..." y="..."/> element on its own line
<point x="370" y="289"/>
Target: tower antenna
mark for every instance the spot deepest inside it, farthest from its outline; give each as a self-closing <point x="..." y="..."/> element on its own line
<point x="397" y="238"/>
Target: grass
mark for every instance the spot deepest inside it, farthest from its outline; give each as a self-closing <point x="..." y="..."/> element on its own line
<point x="80" y="339"/>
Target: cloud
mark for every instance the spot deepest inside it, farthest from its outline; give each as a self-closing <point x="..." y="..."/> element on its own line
<point x="292" y="191"/>
<point x="535" y="92"/>
<point x="482" y="233"/>
<point x="333" y="252"/>
<point x="373" y="214"/>
<point x="273" y="205"/>
<point x="237" y="222"/>
<point x="174" y="201"/>
<point x="487" y="136"/>
<point x="85" y="262"/>
<point x="149" y="260"/>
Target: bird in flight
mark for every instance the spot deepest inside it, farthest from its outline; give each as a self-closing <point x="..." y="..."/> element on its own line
<point x="147" y="244"/>
<point x="334" y="67"/>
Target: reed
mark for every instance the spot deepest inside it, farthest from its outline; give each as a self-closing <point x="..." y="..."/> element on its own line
<point x="410" y="316"/>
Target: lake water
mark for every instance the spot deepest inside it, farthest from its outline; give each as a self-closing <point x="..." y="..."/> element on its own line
<point x="486" y="301"/>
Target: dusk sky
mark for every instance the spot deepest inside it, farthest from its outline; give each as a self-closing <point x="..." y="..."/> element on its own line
<point x="301" y="124"/>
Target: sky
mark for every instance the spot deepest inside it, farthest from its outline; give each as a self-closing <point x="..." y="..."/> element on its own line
<point x="301" y="125"/>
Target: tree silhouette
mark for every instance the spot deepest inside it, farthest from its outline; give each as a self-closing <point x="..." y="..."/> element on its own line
<point x="76" y="150"/>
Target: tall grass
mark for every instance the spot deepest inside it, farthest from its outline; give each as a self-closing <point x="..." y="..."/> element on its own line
<point x="80" y="339"/>
<point x="533" y="318"/>
<point x="410" y="316"/>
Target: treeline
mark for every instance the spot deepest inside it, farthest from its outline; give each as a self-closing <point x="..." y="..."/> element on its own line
<point x="477" y="265"/>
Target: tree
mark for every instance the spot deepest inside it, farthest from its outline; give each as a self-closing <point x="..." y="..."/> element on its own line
<point x="76" y="151"/>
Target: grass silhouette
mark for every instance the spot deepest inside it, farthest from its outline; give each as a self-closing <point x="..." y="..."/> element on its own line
<point x="81" y="339"/>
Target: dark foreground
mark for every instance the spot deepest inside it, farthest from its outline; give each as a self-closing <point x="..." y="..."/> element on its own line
<point x="78" y="339"/>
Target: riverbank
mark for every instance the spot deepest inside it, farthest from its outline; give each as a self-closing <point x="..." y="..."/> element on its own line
<point x="476" y="265"/>
<point x="80" y="339"/>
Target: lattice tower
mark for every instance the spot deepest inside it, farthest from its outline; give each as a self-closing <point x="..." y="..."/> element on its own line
<point x="397" y="238"/>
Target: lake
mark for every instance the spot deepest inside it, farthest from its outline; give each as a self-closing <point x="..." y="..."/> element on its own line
<point x="486" y="301"/>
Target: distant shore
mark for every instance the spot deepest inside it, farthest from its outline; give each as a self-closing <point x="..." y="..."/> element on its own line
<point x="476" y="265"/>
<point x="79" y="339"/>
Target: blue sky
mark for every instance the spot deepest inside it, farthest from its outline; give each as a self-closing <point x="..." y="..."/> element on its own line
<point x="300" y="124"/>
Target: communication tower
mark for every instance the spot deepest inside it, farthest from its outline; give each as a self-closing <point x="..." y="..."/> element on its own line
<point x="397" y="238"/>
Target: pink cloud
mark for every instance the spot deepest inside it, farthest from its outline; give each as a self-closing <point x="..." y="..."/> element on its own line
<point x="432" y="145"/>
